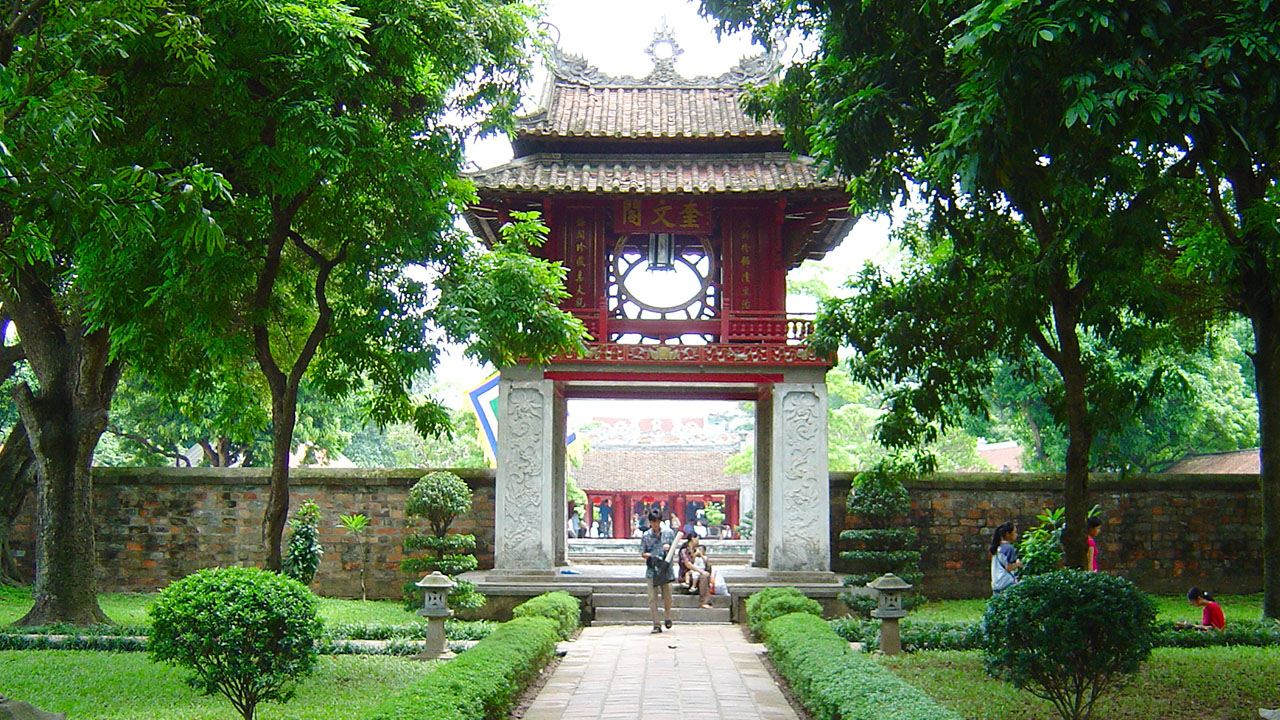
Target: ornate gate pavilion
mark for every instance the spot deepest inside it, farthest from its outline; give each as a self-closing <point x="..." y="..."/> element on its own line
<point x="677" y="217"/>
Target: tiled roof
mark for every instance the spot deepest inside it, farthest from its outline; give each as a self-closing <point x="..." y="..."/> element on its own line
<point x="1240" y="462"/>
<point x="645" y="112"/>
<point x="728" y="173"/>
<point x="666" y="469"/>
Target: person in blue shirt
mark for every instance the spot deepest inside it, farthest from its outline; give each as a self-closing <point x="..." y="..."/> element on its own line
<point x="1004" y="557"/>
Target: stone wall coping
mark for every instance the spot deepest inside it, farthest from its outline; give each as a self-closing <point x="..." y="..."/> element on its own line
<point x="992" y="481"/>
<point x="1052" y="482"/>
<point x="298" y="477"/>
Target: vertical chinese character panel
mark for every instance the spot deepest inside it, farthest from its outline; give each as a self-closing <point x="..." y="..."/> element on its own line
<point x="583" y="256"/>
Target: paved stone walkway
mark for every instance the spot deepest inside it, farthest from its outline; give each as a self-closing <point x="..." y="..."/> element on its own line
<point x="702" y="671"/>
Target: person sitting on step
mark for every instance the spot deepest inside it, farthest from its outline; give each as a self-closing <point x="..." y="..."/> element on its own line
<point x="695" y="571"/>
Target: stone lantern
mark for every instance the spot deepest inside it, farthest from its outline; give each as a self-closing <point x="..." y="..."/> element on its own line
<point x="889" y="591"/>
<point x="435" y="607"/>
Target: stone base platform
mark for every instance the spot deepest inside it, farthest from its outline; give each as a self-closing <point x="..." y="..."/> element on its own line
<point x="604" y="586"/>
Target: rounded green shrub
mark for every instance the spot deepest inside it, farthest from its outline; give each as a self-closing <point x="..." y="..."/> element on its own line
<point x="245" y="633"/>
<point x="559" y="606"/>
<point x="776" y="602"/>
<point x="1068" y="636"/>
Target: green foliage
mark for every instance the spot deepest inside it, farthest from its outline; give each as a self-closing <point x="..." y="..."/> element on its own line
<point x="484" y="682"/>
<point x="770" y="603"/>
<point x="746" y="524"/>
<point x="879" y="500"/>
<point x="504" y="305"/>
<point x="439" y="497"/>
<point x="715" y="514"/>
<point x="1068" y="636"/>
<point x="559" y="606"/>
<point x="302" y="555"/>
<point x="243" y="632"/>
<point x="834" y="682"/>
<point x="356" y="526"/>
<point x="1040" y="548"/>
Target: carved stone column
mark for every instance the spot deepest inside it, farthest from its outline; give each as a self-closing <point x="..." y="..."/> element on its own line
<point x="799" y="483"/>
<point x="525" y="506"/>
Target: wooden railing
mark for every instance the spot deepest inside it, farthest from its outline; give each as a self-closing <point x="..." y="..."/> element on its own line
<point x="733" y="327"/>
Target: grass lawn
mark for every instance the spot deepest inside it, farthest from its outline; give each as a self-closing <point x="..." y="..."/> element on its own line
<point x="1169" y="609"/>
<point x="1221" y="683"/>
<point x="131" y="609"/>
<point x="128" y="686"/>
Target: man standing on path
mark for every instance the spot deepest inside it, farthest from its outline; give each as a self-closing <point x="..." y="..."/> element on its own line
<point x="654" y="545"/>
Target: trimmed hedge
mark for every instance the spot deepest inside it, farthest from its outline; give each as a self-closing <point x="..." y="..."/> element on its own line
<point x="560" y="607"/>
<point x="775" y="602"/>
<point x="483" y="683"/>
<point x="928" y="635"/>
<point x="835" y="682"/>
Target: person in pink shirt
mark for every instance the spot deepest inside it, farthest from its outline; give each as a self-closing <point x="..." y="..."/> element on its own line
<point x="1212" y="617"/>
<point x="1091" y="559"/>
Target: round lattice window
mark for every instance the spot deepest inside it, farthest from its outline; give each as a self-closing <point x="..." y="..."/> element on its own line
<point x="686" y="290"/>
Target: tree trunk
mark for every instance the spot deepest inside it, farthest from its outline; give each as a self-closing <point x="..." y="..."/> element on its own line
<point x="17" y="479"/>
<point x="1079" y="428"/>
<point x="63" y="432"/>
<point x="1266" y="364"/>
<point x="284" y="416"/>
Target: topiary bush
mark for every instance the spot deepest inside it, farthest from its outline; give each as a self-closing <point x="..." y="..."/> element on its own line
<point x="559" y="606"/>
<point x="302" y="554"/>
<point x="439" y="497"/>
<point x="879" y="500"/>
<point x="1068" y="636"/>
<point x="770" y="603"/>
<point x="246" y="634"/>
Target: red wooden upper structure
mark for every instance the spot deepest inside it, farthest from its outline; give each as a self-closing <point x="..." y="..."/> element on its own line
<point x="675" y="213"/>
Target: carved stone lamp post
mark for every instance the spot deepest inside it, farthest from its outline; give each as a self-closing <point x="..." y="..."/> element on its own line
<point x="435" y="607"/>
<point x="889" y="591"/>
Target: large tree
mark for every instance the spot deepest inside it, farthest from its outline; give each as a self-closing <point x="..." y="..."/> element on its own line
<point x="340" y="128"/>
<point x="1041" y="231"/>
<point x="65" y="207"/>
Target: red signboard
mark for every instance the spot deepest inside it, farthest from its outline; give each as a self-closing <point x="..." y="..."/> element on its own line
<point x="670" y="214"/>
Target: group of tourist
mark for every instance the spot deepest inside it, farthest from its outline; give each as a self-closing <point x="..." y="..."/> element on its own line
<point x="1005" y="566"/>
<point x="670" y="562"/>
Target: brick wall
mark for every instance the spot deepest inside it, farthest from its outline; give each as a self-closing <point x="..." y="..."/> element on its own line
<point x="156" y="525"/>
<point x="1164" y="532"/>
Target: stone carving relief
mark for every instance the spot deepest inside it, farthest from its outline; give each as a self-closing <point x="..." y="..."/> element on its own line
<point x="804" y="498"/>
<point x="523" y="447"/>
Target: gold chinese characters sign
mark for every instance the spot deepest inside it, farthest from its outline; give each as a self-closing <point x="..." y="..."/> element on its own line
<point x="669" y="214"/>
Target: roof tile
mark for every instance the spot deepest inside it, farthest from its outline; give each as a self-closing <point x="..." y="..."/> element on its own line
<point x="729" y="173"/>
<point x="646" y="112"/>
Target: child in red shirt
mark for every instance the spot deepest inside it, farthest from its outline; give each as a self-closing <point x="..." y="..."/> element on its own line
<point x="1212" y="618"/>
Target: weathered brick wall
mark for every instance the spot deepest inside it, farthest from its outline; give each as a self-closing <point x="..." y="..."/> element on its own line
<point x="1164" y="532"/>
<point x="155" y="525"/>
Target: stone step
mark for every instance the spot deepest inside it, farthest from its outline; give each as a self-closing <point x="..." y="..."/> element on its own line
<point x="640" y="598"/>
<point x="640" y="615"/>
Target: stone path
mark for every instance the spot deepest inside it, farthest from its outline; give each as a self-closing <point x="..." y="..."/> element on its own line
<point x="689" y="671"/>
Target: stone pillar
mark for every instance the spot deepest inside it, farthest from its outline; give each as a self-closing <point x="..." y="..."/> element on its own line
<point x="559" y="464"/>
<point x="800" y="487"/>
<point x="525" y="527"/>
<point x="763" y="470"/>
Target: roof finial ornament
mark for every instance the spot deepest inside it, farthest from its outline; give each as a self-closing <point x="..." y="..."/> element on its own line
<point x="664" y="50"/>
